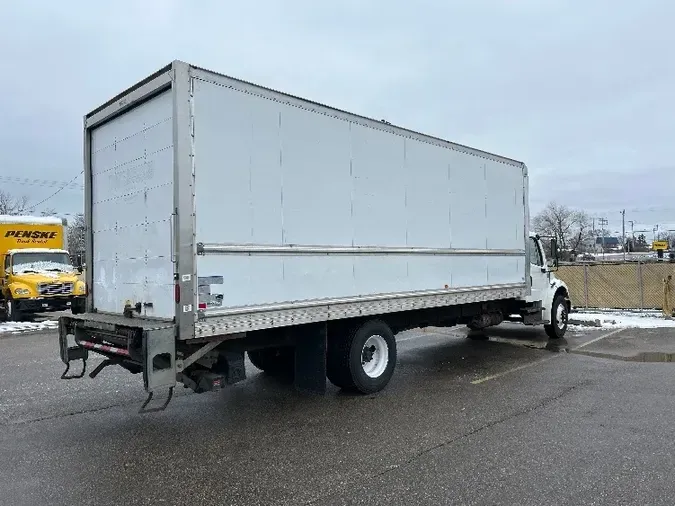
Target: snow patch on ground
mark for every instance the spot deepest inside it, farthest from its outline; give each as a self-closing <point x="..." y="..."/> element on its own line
<point x="20" y="327"/>
<point x="622" y="319"/>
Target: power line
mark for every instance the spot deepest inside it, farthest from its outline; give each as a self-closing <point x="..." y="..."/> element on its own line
<point x="41" y="182"/>
<point x="654" y="209"/>
<point x="56" y="192"/>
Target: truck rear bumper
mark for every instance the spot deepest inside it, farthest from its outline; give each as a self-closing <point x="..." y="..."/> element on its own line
<point x="47" y="304"/>
<point x="147" y="347"/>
<point x="138" y="345"/>
<point x="111" y="335"/>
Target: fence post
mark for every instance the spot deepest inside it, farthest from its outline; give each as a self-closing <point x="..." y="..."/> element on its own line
<point x="641" y="285"/>
<point x="586" y="285"/>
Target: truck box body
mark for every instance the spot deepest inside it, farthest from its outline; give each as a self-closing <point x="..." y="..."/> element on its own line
<point x="283" y="209"/>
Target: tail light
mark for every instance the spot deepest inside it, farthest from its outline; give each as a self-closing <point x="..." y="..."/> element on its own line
<point x="176" y="293"/>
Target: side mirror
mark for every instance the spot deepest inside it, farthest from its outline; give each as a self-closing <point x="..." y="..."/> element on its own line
<point x="553" y="262"/>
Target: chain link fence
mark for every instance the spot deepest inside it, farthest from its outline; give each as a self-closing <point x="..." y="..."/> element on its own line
<point x="616" y="285"/>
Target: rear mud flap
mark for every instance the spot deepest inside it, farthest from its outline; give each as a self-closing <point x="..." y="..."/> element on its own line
<point x="310" y="359"/>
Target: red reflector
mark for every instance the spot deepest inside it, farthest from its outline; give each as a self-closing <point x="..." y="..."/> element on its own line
<point x="202" y="305"/>
<point x="176" y="293"/>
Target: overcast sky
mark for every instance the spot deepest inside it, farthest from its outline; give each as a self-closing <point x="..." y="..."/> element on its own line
<point x="583" y="92"/>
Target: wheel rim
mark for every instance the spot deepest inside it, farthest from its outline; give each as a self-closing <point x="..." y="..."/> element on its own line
<point x="561" y="316"/>
<point x="374" y="356"/>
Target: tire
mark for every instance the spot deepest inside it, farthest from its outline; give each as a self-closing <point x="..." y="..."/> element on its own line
<point x="476" y="335"/>
<point x="559" y="316"/>
<point x="364" y="360"/>
<point x="274" y="361"/>
<point x="77" y="307"/>
<point x="12" y="311"/>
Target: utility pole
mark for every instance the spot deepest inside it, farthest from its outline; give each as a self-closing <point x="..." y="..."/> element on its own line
<point x="632" y="234"/>
<point x="623" y="232"/>
<point x="603" y="222"/>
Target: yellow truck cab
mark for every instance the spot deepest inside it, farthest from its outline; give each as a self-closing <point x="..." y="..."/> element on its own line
<point x="36" y="273"/>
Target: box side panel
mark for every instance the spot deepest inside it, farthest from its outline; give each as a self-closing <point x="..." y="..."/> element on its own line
<point x="505" y="221"/>
<point x="274" y="173"/>
<point x="132" y="200"/>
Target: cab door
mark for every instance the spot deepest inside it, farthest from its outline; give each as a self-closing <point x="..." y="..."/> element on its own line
<point x="4" y="270"/>
<point x="540" y="277"/>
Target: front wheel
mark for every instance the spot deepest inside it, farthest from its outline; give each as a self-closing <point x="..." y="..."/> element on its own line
<point x="13" y="312"/>
<point x="77" y="306"/>
<point x="559" y="316"/>
<point x="364" y="359"/>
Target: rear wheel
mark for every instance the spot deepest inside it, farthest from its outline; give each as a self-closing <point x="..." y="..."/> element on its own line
<point x="559" y="316"/>
<point x="364" y="360"/>
<point x="274" y="361"/>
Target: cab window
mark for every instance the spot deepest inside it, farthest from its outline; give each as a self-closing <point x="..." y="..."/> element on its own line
<point x="535" y="253"/>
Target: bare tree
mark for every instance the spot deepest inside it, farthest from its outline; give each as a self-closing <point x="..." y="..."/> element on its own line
<point x="570" y="227"/>
<point x="670" y="237"/>
<point x="12" y="205"/>
<point x="19" y="205"/>
<point x="76" y="235"/>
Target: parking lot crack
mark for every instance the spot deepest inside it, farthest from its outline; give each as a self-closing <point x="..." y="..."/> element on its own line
<point x="541" y="404"/>
<point x="61" y="415"/>
<point x="449" y="442"/>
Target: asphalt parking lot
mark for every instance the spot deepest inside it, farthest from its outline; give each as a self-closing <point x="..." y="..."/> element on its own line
<point x="462" y="422"/>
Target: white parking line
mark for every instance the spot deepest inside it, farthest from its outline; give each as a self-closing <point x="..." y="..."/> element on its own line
<point x="515" y="369"/>
<point x="416" y="336"/>
<point x="427" y="333"/>
<point x="608" y="334"/>
<point x="525" y="366"/>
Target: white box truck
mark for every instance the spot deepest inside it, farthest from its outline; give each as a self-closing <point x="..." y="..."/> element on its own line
<point x="225" y="218"/>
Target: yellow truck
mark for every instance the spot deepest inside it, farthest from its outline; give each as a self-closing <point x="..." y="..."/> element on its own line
<point x="36" y="273"/>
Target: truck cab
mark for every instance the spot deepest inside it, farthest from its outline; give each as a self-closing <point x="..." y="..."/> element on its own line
<point x="552" y="292"/>
<point x="36" y="273"/>
<point x="40" y="280"/>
